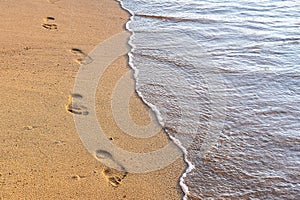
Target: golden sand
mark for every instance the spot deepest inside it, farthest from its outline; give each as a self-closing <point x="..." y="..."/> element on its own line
<point x="41" y="154"/>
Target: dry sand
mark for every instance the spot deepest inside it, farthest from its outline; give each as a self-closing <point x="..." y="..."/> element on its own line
<point x="41" y="154"/>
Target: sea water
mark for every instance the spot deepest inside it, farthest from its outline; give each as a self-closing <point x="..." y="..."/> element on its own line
<point x="224" y="78"/>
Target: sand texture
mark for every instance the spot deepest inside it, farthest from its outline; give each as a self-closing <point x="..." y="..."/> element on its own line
<point x="43" y="43"/>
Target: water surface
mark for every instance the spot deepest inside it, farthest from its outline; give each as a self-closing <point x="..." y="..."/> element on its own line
<point x="225" y="78"/>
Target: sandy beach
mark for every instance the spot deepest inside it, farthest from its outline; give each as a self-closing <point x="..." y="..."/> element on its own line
<point x="41" y="154"/>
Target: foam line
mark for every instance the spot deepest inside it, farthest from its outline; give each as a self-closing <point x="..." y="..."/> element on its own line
<point x="190" y="166"/>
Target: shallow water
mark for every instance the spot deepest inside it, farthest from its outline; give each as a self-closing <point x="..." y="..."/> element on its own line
<point x="224" y="77"/>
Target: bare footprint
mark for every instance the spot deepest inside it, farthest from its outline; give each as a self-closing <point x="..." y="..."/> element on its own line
<point x="107" y="158"/>
<point x="83" y="58"/>
<point x="49" y="23"/>
<point x="73" y="105"/>
<point x="113" y="176"/>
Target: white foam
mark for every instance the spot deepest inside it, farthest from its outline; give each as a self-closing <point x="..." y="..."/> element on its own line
<point x="190" y="167"/>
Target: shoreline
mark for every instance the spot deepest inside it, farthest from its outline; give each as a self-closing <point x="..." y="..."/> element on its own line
<point x="42" y="154"/>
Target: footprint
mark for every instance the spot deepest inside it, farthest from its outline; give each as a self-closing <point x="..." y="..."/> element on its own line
<point x="102" y="154"/>
<point x="49" y="23"/>
<point x="107" y="158"/>
<point x="83" y="58"/>
<point x="113" y="176"/>
<point x="75" y="107"/>
<point x="77" y="96"/>
<point x="77" y="51"/>
<point x="50" y="26"/>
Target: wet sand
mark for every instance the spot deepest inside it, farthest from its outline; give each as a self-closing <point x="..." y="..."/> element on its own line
<point x="41" y="154"/>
